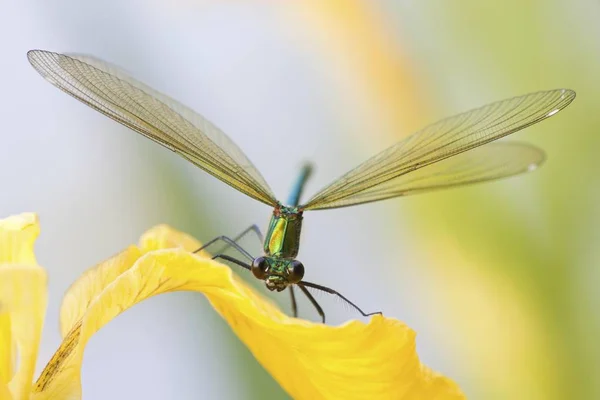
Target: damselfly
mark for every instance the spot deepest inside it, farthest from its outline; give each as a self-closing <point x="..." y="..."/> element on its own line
<point x="443" y="155"/>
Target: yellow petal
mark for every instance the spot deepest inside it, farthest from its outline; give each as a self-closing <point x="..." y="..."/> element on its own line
<point x="4" y="393"/>
<point x="85" y="289"/>
<point x="22" y="303"/>
<point x="311" y="361"/>
<point x="7" y="348"/>
<point x="79" y="296"/>
<point x="17" y="236"/>
<point x="164" y="237"/>
<point x="23" y="298"/>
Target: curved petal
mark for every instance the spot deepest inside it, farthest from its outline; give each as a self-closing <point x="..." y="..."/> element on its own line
<point x="22" y="303"/>
<point x="4" y="393"/>
<point x="7" y="348"/>
<point x="17" y="237"/>
<point x="23" y="298"/>
<point x="355" y="360"/>
<point x="81" y="293"/>
<point x="91" y="283"/>
<point x="164" y="237"/>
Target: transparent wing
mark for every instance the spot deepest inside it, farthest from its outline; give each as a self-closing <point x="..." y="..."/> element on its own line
<point x="154" y="115"/>
<point x="487" y="163"/>
<point x="372" y="180"/>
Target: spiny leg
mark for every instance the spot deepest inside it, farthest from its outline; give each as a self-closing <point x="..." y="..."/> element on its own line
<point x="230" y="243"/>
<point x="233" y="260"/>
<point x="226" y="239"/>
<point x="336" y="293"/>
<point x="253" y="228"/>
<point x="312" y="300"/>
<point x="293" y="298"/>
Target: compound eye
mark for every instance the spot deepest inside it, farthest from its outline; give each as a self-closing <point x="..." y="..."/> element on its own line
<point x="259" y="267"/>
<point x="295" y="272"/>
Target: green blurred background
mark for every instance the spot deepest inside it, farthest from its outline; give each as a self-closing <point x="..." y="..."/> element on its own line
<point x="499" y="280"/>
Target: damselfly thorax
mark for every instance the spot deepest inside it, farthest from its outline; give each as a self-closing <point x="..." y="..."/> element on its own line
<point x="283" y="234"/>
<point x="278" y="267"/>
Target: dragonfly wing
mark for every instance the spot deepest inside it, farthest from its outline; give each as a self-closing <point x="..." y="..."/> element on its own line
<point x="439" y="141"/>
<point x="154" y="115"/>
<point x="487" y="163"/>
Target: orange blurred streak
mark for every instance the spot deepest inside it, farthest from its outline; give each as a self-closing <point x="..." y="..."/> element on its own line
<point x="354" y="34"/>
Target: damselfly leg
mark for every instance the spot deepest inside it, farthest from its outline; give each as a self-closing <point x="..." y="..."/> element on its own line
<point x="313" y="301"/>
<point x="253" y="228"/>
<point x="233" y="242"/>
<point x="233" y="260"/>
<point x="293" y="299"/>
<point x="325" y="289"/>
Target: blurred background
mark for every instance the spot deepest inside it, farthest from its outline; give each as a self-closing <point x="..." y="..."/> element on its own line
<point x="499" y="280"/>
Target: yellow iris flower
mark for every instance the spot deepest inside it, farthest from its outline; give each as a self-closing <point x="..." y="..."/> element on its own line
<point x="374" y="360"/>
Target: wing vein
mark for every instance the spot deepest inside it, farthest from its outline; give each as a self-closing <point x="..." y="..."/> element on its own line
<point x="153" y="115"/>
<point x="445" y="139"/>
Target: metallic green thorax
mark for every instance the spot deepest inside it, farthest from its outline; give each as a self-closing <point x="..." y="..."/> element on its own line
<point x="283" y="234"/>
<point x="281" y="246"/>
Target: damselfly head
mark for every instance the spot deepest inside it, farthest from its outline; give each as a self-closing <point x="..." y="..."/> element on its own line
<point x="276" y="272"/>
